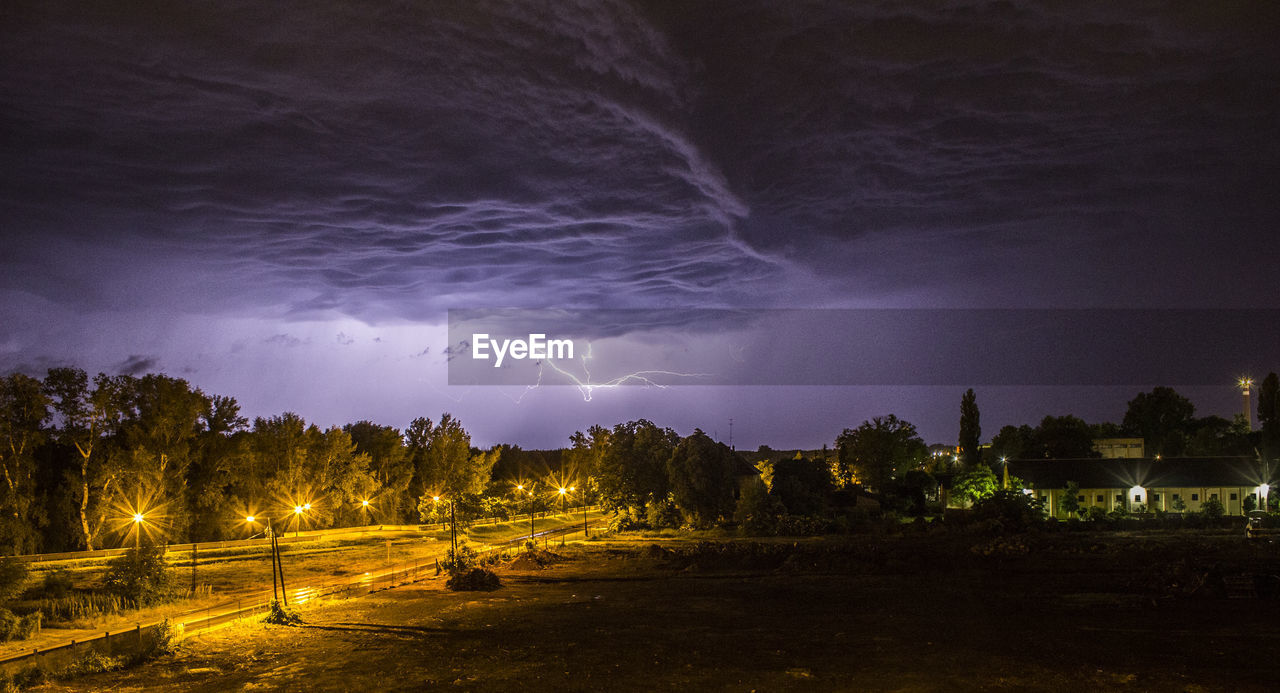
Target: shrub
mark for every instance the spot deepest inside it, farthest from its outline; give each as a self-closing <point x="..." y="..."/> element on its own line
<point x="142" y="577"/>
<point x="1013" y="510"/>
<point x="757" y="512"/>
<point x="57" y="584"/>
<point x="14" y="627"/>
<point x="281" y="615"/>
<point x="13" y="575"/>
<point x="1212" y="508"/>
<point x="474" y="580"/>
<point x="461" y="560"/>
<point x="91" y="662"/>
<point x="665" y="515"/>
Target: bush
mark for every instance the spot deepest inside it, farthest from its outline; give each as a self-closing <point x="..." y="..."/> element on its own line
<point x="281" y="615"/>
<point x="474" y="580"/>
<point x="142" y="577"/>
<point x="57" y="584"/>
<point x="91" y="662"/>
<point x="1212" y="508"/>
<point x="665" y="515"/>
<point x="14" y="627"/>
<point x="13" y="575"/>
<point x="757" y="513"/>
<point x="1012" y="510"/>
<point x="461" y="560"/>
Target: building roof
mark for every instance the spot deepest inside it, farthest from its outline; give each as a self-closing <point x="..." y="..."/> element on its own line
<point x="1147" y="472"/>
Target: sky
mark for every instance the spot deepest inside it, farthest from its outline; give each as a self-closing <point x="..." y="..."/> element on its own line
<point x="281" y="202"/>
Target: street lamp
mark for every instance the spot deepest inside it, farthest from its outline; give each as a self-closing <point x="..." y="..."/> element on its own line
<point x="297" y="516"/>
<point x="368" y="517"/>
<point x="137" y="531"/>
<point x="563" y="493"/>
<point x="277" y="565"/>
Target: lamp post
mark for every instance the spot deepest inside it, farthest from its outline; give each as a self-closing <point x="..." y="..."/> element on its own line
<point x="563" y="493"/>
<point x="297" y="517"/>
<point x="137" y="532"/>
<point x="277" y="566"/>
<point x="367" y="516"/>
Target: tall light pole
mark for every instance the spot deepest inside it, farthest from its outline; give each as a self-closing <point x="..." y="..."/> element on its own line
<point x="277" y="567"/>
<point x="1245" y="384"/>
<point x="137" y="532"/>
<point x="563" y="493"/>
<point x="367" y="516"/>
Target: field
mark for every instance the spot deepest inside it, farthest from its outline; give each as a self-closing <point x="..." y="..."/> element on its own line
<point x="224" y="576"/>
<point x="910" y="612"/>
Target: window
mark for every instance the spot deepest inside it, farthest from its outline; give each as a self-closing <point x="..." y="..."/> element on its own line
<point x="1233" y="496"/>
<point x="1137" y="498"/>
<point x="1100" y="498"/>
<point x="1176" y="496"/>
<point x="1080" y="498"/>
<point x="1119" y="498"/>
<point x="1213" y="496"/>
<point x="1155" y="498"/>
<point x="1195" y="496"/>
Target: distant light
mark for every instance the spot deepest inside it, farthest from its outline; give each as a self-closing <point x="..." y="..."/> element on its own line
<point x="137" y="517"/>
<point x="249" y="518"/>
<point x="297" y="510"/>
<point x="570" y="489"/>
<point x="562" y="490"/>
<point x="436" y="498"/>
<point x="520" y="487"/>
<point x="365" y="503"/>
<point x="307" y="506"/>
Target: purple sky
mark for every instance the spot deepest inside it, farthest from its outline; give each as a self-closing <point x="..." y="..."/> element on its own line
<point x="280" y="203"/>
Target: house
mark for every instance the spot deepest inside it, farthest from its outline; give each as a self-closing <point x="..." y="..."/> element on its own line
<point x="1170" y="484"/>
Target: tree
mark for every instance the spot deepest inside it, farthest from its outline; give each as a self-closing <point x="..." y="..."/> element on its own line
<point x="1213" y="436"/>
<point x="1062" y="437"/>
<point x="975" y="484"/>
<point x="803" y="486"/>
<point x="1163" y="418"/>
<point x="970" y="430"/>
<point x="702" y="478"/>
<point x="1212" y="508"/>
<point x="633" y="468"/>
<point x="1071" y="498"/>
<point x="1269" y="416"/>
<point x="389" y="465"/>
<point x="1014" y="442"/>
<point x="449" y="468"/>
<point x="24" y="409"/>
<point x="878" y="450"/>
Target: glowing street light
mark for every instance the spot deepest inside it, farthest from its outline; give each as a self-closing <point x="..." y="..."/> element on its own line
<point x="138" y="519"/>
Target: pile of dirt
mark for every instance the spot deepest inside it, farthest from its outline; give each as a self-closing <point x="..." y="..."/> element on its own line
<point x="535" y="560"/>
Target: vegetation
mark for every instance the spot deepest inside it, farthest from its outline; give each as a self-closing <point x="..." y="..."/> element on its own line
<point x="142" y="577"/>
<point x="970" y="430"/>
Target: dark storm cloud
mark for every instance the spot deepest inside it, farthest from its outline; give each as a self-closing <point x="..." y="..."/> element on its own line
<point x="137" y="364"/>
<point x="382" y="162"/>
<point x="391" y="161"/>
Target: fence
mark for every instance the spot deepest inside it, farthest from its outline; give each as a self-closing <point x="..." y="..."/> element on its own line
<point x="204" y="619"/>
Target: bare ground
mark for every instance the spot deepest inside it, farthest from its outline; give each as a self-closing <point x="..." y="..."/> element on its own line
<point x="620" y="615"/>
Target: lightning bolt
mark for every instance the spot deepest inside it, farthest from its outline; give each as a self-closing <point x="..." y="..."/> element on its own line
<point x="588" y="388"/>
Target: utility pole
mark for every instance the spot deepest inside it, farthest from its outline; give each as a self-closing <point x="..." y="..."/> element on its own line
<point x="731" y="433"/>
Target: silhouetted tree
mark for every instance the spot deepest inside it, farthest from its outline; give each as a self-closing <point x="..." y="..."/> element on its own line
<point x="878" y="450"/>
<point x="1163" y="418"/>
<point x="970" y="430"/>
<point x="702" y="478"/>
